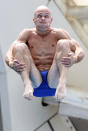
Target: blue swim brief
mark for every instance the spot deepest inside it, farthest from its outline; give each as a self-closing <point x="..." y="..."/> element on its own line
<point x="44" y="90"/>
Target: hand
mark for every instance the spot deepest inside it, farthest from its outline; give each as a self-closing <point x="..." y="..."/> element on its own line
<point x="18" y="67"/>
<point x="69" y="60"/>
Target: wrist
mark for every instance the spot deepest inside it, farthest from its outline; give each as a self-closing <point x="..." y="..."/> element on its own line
<point x="74" y="59"/>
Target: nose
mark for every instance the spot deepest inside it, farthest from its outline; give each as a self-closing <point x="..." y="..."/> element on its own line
<point x="43" y="17"/>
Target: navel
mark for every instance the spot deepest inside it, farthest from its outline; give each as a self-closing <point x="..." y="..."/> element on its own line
<point x="53" y="45"/>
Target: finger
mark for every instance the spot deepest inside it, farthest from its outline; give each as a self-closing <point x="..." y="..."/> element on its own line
<point x="19" y="70"/>
<point x="24" y="65"/>
<point x="19" y="66"/>
<point x="16" y="62"/>
<point x="67" y="65"/>
<point x="65" y="58"/>
<point x="66" y="62"/>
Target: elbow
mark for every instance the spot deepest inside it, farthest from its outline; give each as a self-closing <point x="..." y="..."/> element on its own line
<point x="6" y="60"/>
<point x="82" y="54"/>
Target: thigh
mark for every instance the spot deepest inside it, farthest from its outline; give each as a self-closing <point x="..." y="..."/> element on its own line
<point x="35" y="75"/>
<point x="53" y="75"/>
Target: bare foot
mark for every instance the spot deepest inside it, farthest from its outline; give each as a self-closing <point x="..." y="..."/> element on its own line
<point x="60" y="92"/>
<point x="28" y="93"/>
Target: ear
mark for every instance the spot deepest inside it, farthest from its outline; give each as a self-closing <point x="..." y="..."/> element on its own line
<point x="33" y="20"/>
<point x="51" y="19"/>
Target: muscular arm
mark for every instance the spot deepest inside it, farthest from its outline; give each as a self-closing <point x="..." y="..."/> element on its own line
<point x="78" y="53"/>
<point x="10" y="55"/>
<point x="22" y="38"/>
<point x="62" y="34"/>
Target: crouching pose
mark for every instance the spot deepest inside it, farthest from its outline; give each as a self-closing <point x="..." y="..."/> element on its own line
<point x="43" y="49"/>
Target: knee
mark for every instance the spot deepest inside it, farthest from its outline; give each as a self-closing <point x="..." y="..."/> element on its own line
<point x="21" y="47"/>
<point x="63" y="44"/>
<point x="62" y="49"/>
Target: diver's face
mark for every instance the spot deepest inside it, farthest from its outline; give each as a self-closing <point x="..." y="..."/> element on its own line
<point x="42" y="19"/>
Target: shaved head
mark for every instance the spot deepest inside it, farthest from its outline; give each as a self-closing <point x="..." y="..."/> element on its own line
<point x="42" y="18"/>
<point x="42" y="7"/>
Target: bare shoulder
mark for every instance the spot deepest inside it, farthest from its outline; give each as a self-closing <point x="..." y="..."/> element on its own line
<point x="61" y="33"/>
<point x="25" y="34"/>
<point x="27" y="31"/>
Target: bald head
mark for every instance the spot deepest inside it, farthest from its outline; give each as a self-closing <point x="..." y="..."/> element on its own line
<point x="42" y="8"/>
<point x="42" y="18"/>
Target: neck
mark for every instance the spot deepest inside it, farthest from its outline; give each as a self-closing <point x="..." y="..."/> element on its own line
<point x="43" y="31"/>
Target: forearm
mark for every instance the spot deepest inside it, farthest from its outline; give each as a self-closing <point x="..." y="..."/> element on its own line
<point x="10" y="55"/>
<point x="9" y="60"/>
<point x="78" y="56"/>
<point x="78" y="51"/>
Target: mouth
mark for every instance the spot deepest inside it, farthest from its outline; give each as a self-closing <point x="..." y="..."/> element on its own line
<point x="42" y="22"/>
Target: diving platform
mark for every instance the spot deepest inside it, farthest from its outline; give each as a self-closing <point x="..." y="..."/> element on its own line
<point x="72" y="105"/>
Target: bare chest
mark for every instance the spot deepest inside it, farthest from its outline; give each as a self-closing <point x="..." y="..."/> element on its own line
<point x="42" y="46"/>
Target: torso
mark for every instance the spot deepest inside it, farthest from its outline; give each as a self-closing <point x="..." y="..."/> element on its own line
<point x="42" y="49"/>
